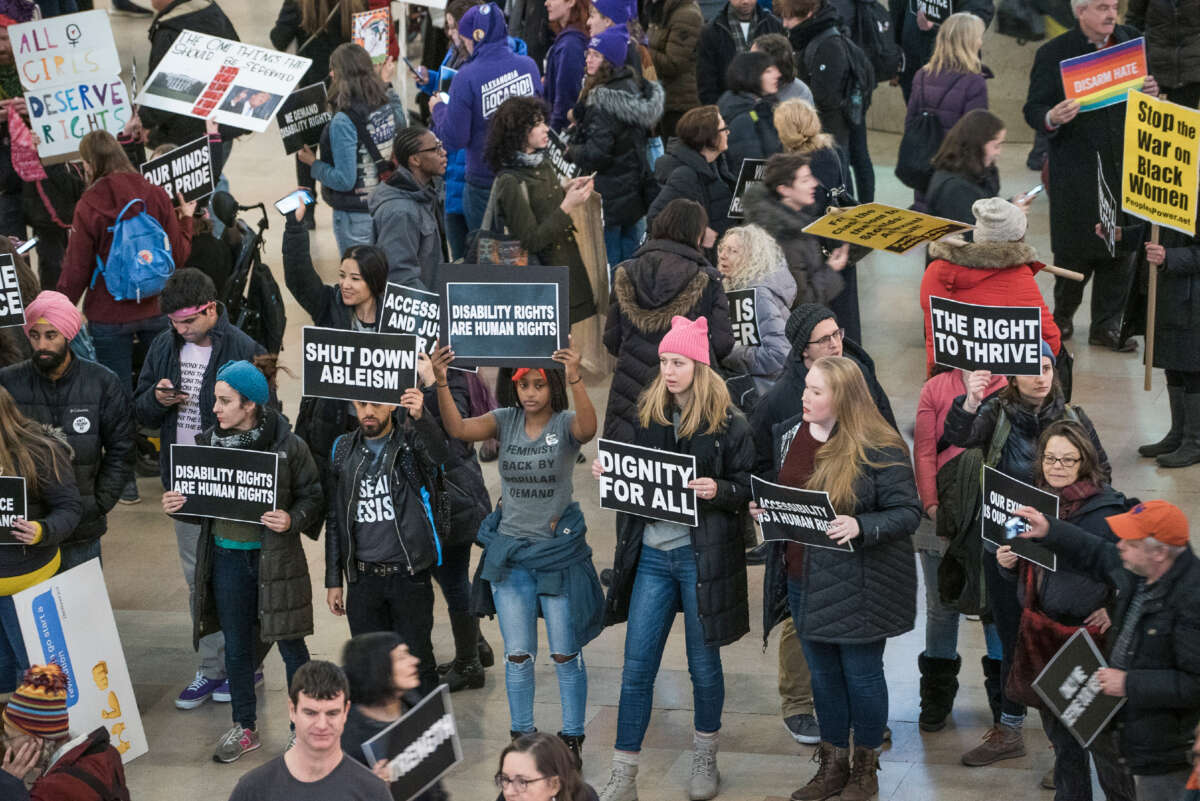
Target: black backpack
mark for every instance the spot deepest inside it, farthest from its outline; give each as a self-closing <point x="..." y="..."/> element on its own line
<point x="920" y="142"/>
<point x="1021" y="20"/>
<point x="860" y="77"/>
<point x="872" y="32"/>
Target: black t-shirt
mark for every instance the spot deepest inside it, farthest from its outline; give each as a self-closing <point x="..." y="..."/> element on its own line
<point x="376" y="514"/>
<point x="349" y="781"/>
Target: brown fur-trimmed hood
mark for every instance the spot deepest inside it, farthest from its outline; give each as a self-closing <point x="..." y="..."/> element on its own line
<point x="663" y="280"/>
<point x="982" y="255"/>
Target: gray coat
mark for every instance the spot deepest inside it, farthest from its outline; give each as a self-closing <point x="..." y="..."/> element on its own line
<point x="765" y="361"/>
<point x="404" y="223"/>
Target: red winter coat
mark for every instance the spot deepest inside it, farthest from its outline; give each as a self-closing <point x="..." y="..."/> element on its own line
<point x="93" y="756"/>
<point x="986" y="274"/>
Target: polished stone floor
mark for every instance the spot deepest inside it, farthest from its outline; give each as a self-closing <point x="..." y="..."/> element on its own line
<point x="758" y="759"/>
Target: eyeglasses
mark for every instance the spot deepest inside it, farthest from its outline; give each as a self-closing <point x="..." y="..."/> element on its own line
<point x="439" y="147"/>
<point x="1066" y="461"/>
<point x="519" y="783"/>
<point x="828" y="340"/>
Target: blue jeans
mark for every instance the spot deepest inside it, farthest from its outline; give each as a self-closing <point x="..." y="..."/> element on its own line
<point x="620" y="242"/>
<point x="75" y="554"/>
<point x="475" y="200"/>
<point x="235" y="589"/>
<point x="849" y="688"/>
<point x="119" y="344"/>
<point x="13" y="659"/>
<point x="941" y="621"/>
<point x="665" y="584"/>
<point x="352" y="228"/>
<point x="517" y="603"/>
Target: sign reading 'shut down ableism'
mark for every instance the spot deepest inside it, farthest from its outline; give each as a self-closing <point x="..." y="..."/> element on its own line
<point x="647" y="482"/>
<point x="358" y="365"/>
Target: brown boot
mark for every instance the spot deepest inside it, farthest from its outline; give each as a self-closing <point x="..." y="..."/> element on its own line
<point x="863" y="784"/>
<point x="831" y="776"/>
<point x="1000" y="742"/>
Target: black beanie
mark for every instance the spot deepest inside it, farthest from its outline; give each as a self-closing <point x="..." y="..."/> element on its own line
<point x="803" y="320"/>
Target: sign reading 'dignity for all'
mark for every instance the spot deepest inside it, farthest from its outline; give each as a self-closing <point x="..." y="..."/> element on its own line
<point x="411" y="311"/>
<point x="1006" y="340"/>
<point x="302" y="117"/>
<point x="419" y="747"/>
<point x="1162" y="154"/>
<point x="1070" y="686"/>
<point x="883" y="227"/>
<point x="647" y="482"/>
<point x="12" y="307"/>
<point x="358" y="365"/>
<point x="1104" y="77"/>
<point x="743" y="316"/>
<point x="751" y="172"/>
<point x="12" y="507"/>
<point x="1002" y="496"/>
<point x="226" y="483"/>
<point x="186" y="169"/>
<point x="796" y="515"/>
<point x="936" y="11"/>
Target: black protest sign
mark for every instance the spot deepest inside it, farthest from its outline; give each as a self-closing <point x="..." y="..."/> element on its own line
<point x="186" y="169"/>
<point x="504" y="316"/>
<point x="936" y="11"/>
<point x="1002" y="496"/>
<point x="302" y="117"/>
<point x="419" y="747"/>
<point x="751" y="172"/>
<point x="12" y="506"/>
<point x="1004" y="339"/>
<point x="411" y="311"/>
<point x="743" y="315"/>
<point x="647" y="482"/>
<point x="794" y="514"/>
<point x="1108" y="209"/>
<point x="229" y="483"/>
<point x="358" y="365"/>
<point x="557" y="151"/>
<point x="1070" y="686"/>
<point x="12" y="307"/>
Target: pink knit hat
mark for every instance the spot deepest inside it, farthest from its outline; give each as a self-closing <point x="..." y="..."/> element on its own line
<point x="687" y="338"/>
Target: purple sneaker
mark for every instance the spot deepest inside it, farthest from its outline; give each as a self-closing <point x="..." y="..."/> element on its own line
<point x="197" y="692"/>
<point x="221" y="694"/>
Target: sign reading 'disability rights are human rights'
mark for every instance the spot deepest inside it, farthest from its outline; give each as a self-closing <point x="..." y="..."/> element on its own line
<point x="647" y="482"/>
<point x="1004" y="339"/>
<point x="358" y="365"/>
<point x="1159" y="174"/>
<point x="227" y="483"/>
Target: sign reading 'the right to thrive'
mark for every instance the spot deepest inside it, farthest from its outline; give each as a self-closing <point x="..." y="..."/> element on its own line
<point x="1004" y="339"/>
<point x="1162" y="154"/>
<point x="1070" y="686"/>
<point x="647" y="482"/>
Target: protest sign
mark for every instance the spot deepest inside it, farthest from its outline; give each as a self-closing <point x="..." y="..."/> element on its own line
<point x="883" y="227"/>
<point x="12" y="307"/>
<point x="226" y="483"/>
<point x="236" y="83"/>
<point x="743" y="315"/>
<point x="936" y="11"/>
<point x="1107" y="208"/>
<point x="500" y="315"/>
<point x="1159" y="172"/>
<point x="1104" y="77"/>
<point x="186" y="169"/>
<point x="446" y="79"/>
<point x="647" y="482"/>
<point x="1002" y="496"/>
<point x="1070" y="686"/>
<point x="794" y="514"/>
<point x="12" y="506"/>
<point x="556" y="150"/>
<point x="68" y="620"/>
<point x="1004" y="339"/>
<point x="751" y="172"/>
<point x="411" y="311"/>
<point x="420" y="747"/>
<point x="370" y="31"/>
<point x="358" y="365"/>
<point x="302" y="117"/>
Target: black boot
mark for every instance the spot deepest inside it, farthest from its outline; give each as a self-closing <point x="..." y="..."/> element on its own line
<point x="991" y="683"/>
<point x="515" y="734"/>
<point x="939" y="685"/>
<point x="486" y="657"/>
<point x="575" y="743"/>
<point x="465" y="628"/>
<point x="1174" y="437"/>
<point x="464" y="676"/>
<point x="1188" y="451"/>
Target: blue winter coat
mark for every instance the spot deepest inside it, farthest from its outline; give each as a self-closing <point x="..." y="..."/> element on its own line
<point x="564" y="74"/>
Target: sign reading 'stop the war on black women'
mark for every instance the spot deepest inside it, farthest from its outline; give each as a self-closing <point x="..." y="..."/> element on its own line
<point x="1004" y="339"/>
<point x="12" y="308"/>
<point x="1070" y="686"/>
<point x="411" y="311"/>
<point x="186" y="169"/>
<point x="794" y="514"/>
<point x="358" y="365"/>
<point x="227" y="483"/>
<point x="419" y="747"/>
<point x="12" y="506"/>
<point x="647" y="482"/>
<point x="1002" y="496"/>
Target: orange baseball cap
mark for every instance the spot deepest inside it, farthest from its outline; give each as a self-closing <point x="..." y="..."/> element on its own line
<point x="1158" y="519"/>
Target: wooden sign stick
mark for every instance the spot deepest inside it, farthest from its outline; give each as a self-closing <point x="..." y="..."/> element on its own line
<point x="1151" y="308"/>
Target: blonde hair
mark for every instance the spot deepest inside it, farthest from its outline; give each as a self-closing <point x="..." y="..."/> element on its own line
<point x="706" y="408"/>
<point x="799" y="127"/>
<point x="957" y="45"/>
<point x="841" y="460"/>
<point x="761" y="255"/>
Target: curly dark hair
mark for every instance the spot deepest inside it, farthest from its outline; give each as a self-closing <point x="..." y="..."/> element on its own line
<point x="509" y="129"/>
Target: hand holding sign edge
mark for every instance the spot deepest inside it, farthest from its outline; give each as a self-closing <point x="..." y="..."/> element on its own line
<point x="1039" y="526"/>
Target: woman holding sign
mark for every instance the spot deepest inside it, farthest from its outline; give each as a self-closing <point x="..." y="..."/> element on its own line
<point x="847" y="599"/>
<point x="661" y="568"/>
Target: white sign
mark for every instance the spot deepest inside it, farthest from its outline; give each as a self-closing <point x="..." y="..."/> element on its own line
<point x="68" y="620"/>
<point x="240" y="84"/>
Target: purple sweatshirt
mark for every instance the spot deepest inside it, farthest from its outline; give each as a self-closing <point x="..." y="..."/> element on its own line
<point x="565" y="69"/>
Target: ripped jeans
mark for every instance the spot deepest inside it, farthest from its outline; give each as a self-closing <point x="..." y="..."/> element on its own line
<point x="517" y="604"/>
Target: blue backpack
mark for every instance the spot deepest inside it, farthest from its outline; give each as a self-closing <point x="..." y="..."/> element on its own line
<point x="139" y="259"/>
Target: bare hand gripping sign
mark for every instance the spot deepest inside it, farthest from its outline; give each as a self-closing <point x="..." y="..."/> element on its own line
<point x="227" y="483"/>
<point x="358" y="365"/>
<point x="1004" y="339"/>
<point x="648" y="482"/>
<point x="1070" y="686"/>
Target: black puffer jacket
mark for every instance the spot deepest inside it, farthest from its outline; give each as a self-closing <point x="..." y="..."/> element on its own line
<point x="93" y="409"/>
<point x="751" y="123"/>
<point x="609" y="139"/>
<point x="721" y="592"/>
<point x="815" y="281"/>
<point x="683" y="172"/>
<point x="951" y="194"/>
<point x="663" y="279"/>
<point x="866" y="595"/>
<point x="468" y="495"/>
<point x="1172" y="29"/>
<point x="717" y="49"/>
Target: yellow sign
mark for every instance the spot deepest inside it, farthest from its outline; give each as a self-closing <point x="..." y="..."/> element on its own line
<point x="883" y="227"/>
<point x="1162" y="154"/>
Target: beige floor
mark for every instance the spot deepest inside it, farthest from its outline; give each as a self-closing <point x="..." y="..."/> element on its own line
<point x="758" y="760"/>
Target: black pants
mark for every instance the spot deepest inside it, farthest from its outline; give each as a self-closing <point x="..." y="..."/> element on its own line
<point x="860" y="163"/>
<point x="1110" y="291"/>
<point x="1006" y="614"/>
<point x="1190" y="381"/>
<point x="452" y="576"/>
<point x="1072" y="773"/>
<point x="399" y="603"/>
<point x="845" y="304"/>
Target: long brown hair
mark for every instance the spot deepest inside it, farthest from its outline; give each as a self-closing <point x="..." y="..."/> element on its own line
<point x="577" y="19"/>
<point x="552" y="758"/>
<point x="705" y="411"/>
<point x="603" y="75"/>
<point x="355" y="83"/>
<point x="103" y="154"/>
<point x="25" y="449"/>
<point x="1072" y="432"/>
<point x="962" y="149"/>
<point x="314" y="13"/>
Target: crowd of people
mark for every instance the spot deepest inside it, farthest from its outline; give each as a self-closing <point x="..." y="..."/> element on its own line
<point x="659" y="106"/>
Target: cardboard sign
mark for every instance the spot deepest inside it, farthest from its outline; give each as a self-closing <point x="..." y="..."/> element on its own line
<point x="225" y="483"/>
<point x="1107" y="208"/>
<point x="358" y="365"/>
<point x="648" y="482"/>
<point x="12" y="307"/>
<point x="302" y="117"/>
<point x="1159" y="173"/>
<point x="556" y="150"/>
<point x="498" y="315"/>
<point x="751" y="172"/>
<point x="936" y="11"/>
<point x="743" y="315"/>
<point x="796" y="515"/>
<point x="236" y="83"/>
<point x="883" y="227"/>
<point x="412" y="311"/>
<point x="420" y="747"/>
<point x="1002" y="495"/>
<point x="371" y="32"/>
<point x="1104" y="77"/>
<point x="68" y="620"/>
<point x="1071" y="689"/>
<point x="13" y="505"/>
<point x="1004" y="339"/>
<point x="186" y="169"/>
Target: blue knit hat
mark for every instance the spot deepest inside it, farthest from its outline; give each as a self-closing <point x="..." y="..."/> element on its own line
<point x="1049" y="353"/>
<point x="616" y="10"/>
<point x="247" y="379"/>
<point x="612" y="44"/>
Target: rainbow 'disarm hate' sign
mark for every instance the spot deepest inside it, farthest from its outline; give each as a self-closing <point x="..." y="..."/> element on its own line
<point x="1104" y="78"/>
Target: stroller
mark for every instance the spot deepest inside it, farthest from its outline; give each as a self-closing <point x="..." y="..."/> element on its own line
<point x="250" y="294"/>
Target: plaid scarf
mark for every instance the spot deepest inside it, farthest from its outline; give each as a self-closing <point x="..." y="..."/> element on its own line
<point x="735" y="25"/>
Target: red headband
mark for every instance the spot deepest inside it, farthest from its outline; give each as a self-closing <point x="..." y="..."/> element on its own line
<point x="521" y="371"/>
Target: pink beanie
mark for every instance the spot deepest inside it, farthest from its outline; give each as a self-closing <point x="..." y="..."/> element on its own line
<point x="54" y="308"/>
<point x="687" y="338"/>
